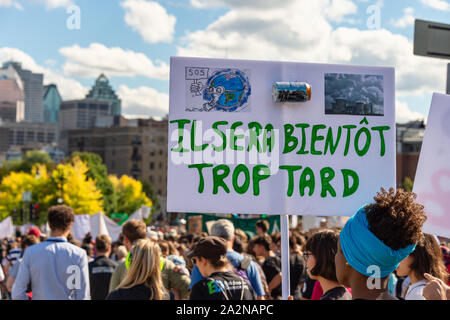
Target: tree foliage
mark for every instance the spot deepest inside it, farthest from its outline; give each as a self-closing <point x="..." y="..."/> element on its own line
<point x="76" y="189"/>
<point x="130" y="194"/>
<point x="99" y="173"/>
<point x="408" y="184"/>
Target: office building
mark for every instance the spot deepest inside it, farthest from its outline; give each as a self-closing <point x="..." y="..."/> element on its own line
<point x="33" y="90"/>
<point x="102" y="91"/>
<point x="52" y="100"/>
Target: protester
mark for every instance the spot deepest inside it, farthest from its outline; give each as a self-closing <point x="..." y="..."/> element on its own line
<point x="121" y="254"/>
<point x="426" y="258"/>
<point x="389" y="229"/>
<point x="435" y="289"/>
<point x="13" y="254"/>
<point x="320" y="252"/>
<point x="271" y="265"/>
<point x="101" y="268"/>
<point x="143" y="280"/>
<point x="224" y="229"/>
<point x="219" y="283"/>
<point x="28" y="241"/>
<point x="262" y="227"/>
<point x="173" y="280"/>
<point x="297" y="268"/>
<point x="50" y="265"/>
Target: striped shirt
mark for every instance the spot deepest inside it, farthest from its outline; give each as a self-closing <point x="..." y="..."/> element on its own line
<point x="13" y="255"/>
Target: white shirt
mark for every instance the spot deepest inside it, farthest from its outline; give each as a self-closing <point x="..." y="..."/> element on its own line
<point x="415" y="290"/>
<point x="56" y="269"/>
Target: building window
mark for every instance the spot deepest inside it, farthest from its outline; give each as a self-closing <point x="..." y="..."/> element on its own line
<point x="104" y="107"/>
<point x="50" y="136"/>
<point x="151" y="179"/>
<point x="161" y="152"/>
<point x="160" y="165"/>
<point x="152" y="165"/>
<point x="40" y="137"/>
<point x="82" y="106"/>
<point x="159" y="179"/>
<point x="92" y="106"/>
<point x="152" y="153"/>
<point x="30" y="136"/>
<point x="20" y="137"/>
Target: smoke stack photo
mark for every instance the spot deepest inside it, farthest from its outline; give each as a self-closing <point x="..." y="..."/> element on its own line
<point x="354" y="94"/>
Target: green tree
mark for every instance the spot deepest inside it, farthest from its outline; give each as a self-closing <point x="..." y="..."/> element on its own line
<point x="408" y="184"/>
<point x="130" y="195"/>
<point x="99" y="173"/>
<point x="27" y="162"/>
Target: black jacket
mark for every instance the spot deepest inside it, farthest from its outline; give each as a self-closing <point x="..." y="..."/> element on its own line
<point x="139" y="292"/>
<point x="100" y="272"/>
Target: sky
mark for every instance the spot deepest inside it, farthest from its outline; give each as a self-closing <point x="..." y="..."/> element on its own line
<point x="131" y="41"/>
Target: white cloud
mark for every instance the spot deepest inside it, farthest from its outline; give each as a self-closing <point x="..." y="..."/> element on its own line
<point x="150" y="20"/>
<point x="53" y="4"/>
<point x="68" y="88"/>
<point x="301" y="31"/>
<point x="403" y="114"/>
<point x="11" y="3"/>
<point x="143" y="101"/>
<point x="405" y="21"/>
<point x="91" y="61"/>
<point x="437" y="4"/>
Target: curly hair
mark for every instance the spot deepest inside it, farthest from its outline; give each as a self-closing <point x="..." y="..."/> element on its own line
<point x="395" y="218"/>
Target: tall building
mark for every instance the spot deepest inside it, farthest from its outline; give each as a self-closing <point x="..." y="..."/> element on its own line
<point x="102" y="91"/>
<point x="52" y="100"/>
<point x="82" y="114"/>
<point x="33" y="89"/>
<point x="11" y="100"/>
<point x="140" y="151"/>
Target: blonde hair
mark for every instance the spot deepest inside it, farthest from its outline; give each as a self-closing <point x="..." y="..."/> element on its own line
<point x="145" y="268"/>
<point x="121" y="253"/>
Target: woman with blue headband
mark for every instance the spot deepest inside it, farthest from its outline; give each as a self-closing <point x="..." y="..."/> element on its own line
<point x="375" y="240"/>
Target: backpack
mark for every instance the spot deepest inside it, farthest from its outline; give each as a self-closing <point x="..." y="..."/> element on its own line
<point x="241" y="268"/>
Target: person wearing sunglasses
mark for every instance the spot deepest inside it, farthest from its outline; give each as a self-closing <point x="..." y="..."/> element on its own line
<point x="319" y="256"/>
<point x="143" y="280"/>
<point x="220" y="281"/>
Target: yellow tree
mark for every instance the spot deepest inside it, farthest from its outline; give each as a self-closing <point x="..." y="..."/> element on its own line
<point x="37" y="182"/>
<point x="130" y="195"/>
<point x="76" y="190"/>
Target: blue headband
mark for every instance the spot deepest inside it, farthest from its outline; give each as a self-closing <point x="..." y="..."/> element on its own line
<point x="362" y="248"/>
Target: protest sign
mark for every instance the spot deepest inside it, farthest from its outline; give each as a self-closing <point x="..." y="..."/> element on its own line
<point x="234" y="149"/>
<point x="432" y="181"/>
<point x="6" y="228"/>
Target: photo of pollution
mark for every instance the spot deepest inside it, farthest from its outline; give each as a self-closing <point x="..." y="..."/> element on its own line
<point x="354" y="94"/>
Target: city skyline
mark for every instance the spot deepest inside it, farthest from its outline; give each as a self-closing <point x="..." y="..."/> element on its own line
<point x="131" y="41"/>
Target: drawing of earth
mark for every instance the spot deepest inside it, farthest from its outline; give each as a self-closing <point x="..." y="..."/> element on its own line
<point x="227" y="90"/>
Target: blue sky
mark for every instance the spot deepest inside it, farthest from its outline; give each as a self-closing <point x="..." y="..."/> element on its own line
<point x="336" y="31"/>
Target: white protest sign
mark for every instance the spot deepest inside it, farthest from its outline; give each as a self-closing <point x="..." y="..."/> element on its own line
<point x="6" y="228"/>
<point x="97" y="224"/>
<point x="232" y="149"/>
<point x="81" y="226"/>
<point x="432" y="181"/>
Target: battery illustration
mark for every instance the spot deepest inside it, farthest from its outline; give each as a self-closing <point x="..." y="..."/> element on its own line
<point x="291" y="91"/>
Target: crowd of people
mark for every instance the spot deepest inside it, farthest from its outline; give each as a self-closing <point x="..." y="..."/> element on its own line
<point x="380" y="253"/>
